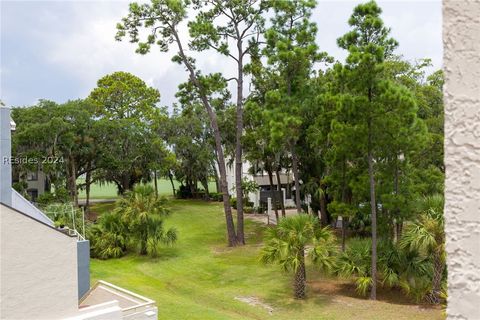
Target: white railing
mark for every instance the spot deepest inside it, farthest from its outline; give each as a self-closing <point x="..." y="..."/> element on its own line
<point x="143" y="304"/>
<point x="73" y="233"/>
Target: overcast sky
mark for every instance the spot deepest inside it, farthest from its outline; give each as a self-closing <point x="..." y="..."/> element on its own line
<point x="57" y="50"/>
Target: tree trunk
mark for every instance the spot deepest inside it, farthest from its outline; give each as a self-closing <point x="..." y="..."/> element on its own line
<point x="279" y="188"/>
<point x="373" y="206"/>
<point x="274" y="196"/>
<point x="238" y="145"/>
<point x="125" y="183"/>
<point x="73" y="181"/>
<point x="232" y="238"/>
<point x="88" y="182"/>
<point x="396" y="210"/>
<point x="155" y="183"/>
<point x="299" y="290"/>
<point x="323" y="208"/>
<point x="143" y="245"/>
<point x="205" y="186"/>
<point x="217" y="180"/>
<point x="344" y="232"/>
<point x="193" y="187"/>
<point x="170" y="176"/>
<point x="297" y="182"/>
<point x="438" y="267"/>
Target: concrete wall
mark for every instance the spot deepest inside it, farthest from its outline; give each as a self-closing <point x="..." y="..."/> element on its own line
<point x="38" y="269"/>
<point x="461" y="31"/>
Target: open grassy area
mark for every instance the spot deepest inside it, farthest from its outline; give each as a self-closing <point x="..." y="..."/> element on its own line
<point x="199" y="278"/>
<point x="109" y="190"/>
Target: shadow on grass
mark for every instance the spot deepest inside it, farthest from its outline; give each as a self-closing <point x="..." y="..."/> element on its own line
<point x="338" y="287"/>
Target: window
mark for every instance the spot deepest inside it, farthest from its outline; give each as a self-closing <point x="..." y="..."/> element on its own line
<point x="32" y="176"/>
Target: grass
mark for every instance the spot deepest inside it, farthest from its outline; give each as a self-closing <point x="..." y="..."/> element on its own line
<point x="109" y="190"/>
<point x="200" y="277"/>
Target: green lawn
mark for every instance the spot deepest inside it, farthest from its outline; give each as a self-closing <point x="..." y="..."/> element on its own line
<point x="200" y="277"/>
<point x="109" y="190"/>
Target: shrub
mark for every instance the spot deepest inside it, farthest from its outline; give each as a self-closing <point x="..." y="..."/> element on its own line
<point x="21" y="187"/>
<point x="248" y="209"/>
<point x="396" y="268"/>
<point x="233" y="202"/>
<point x="59" y="196"/>
<point x="46" y="198"/>
<point x="184" y="192"/>
<point x="136" y="223"/>
<point x="216" y="196"/>
<point x="246" y="203"/>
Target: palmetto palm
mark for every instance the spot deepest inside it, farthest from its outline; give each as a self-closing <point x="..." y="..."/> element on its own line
<point x="426" y="235"/>
<point x="142" y="211"/>
<point x="287" y="242"/>
<point x="109" y="236"/>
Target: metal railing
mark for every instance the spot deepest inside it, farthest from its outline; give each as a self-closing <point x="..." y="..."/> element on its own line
<point x="73" y="233"/>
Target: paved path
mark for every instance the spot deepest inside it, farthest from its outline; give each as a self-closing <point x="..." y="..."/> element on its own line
<point x="92" y="201"/>
<point x="264" y="218"/>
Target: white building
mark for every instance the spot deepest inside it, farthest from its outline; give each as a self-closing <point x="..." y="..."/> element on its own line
<point x="286" y="184"/>
<point x="44" y="270"/>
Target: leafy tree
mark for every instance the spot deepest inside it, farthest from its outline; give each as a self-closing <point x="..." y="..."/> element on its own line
<point x="291" y="52"/>
<point x="61" y="135"/>
<point x="286" y="245"/>
<point x="221" y="25"/>
<point x="162" y="18"/>
<point x="382" y="115"/>
<point x="126" y="112"/>
<point x="192" y="144"/>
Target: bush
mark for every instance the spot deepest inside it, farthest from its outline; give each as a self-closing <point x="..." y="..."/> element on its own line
<point x="246" y="203"/>
<point x="248" y="209"/>
<point x="59" y="196"/>
<point x="184" y="192"/>
<point x="396" y="268"/>
<point x="216" y="196"/>
<point x="21" y="187"/>
<point x="46" y="198"/>
<point x="136" y="224"/>
<point x="233" y="202"/>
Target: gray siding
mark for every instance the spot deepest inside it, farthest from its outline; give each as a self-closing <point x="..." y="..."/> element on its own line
<point x="5" y="154"/>
<point x="83" y="265"/>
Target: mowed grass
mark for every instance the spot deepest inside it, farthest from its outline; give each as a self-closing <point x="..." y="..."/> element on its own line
<point x="109" y="190"/>
<point x="199" y="278"/>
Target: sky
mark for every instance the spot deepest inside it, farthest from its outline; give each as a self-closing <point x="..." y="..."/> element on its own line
<point x="57" y="50"/>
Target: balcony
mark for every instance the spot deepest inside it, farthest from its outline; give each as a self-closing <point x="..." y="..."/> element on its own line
<point x="120" y="303"/>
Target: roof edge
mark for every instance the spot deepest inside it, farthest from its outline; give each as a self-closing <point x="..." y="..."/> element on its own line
<point x="41" y="222"/>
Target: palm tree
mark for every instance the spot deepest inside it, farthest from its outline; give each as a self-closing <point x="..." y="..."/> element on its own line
<point x="426" y="235"/>
<point x="109" y="236"/>
<point x="286" y="244"/>
<point x="157" y="234"/>
<point x="354" y="262"/>
<point x="143" y="212"/>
